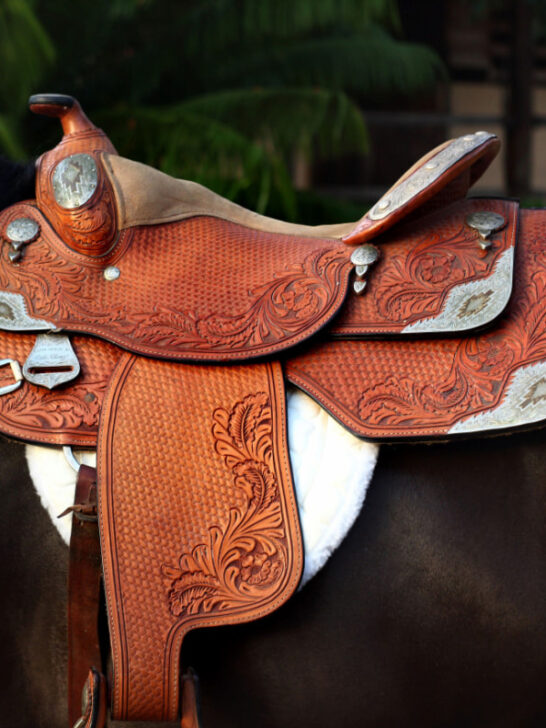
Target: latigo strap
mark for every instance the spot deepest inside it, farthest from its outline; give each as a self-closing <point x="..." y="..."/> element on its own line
<point x="84" y="584"/>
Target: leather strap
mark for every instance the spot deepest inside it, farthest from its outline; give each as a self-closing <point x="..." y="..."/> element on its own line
<point x="93" y="702"/>
<point x="84" y="580"/>
<point x="190" y="700"/>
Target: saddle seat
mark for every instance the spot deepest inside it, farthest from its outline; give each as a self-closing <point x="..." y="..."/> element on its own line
<point x="187" y="314"/>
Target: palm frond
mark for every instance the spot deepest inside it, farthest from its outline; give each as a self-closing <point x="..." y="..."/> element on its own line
<point x="240" y="143"/>
<point x="371" y="64"/>
<point x="125" y="9"/>
<point x="10" y="144"/>
<point x="289" y="118"/>
<point x="184" y="143"/>
<point x="222" y="24"/>
<point x="25" y="48"/>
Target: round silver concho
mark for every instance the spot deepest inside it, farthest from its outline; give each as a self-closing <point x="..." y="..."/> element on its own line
<point x="75" y="180"/>
<point x="485" y="222"/>
<point x="111" y="273"/>
<point x="22" y="230"/>
<point x="364" y="255"/>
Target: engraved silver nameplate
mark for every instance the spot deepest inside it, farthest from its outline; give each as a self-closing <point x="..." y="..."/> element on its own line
<point x="75" y="180"/>
<point x="51" y="362"/>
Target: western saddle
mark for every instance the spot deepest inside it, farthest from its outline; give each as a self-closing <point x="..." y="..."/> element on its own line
<point x="156" y="321"/>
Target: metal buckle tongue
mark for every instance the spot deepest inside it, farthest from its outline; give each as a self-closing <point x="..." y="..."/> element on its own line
<point x="17" y="375"/>
<point x="51" y="362"/>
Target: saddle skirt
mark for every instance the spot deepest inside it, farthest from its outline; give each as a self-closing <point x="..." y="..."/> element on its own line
<point x="187" y="314"/>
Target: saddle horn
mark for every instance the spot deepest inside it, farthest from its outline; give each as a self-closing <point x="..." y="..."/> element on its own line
<point x="65" y="108"/>
<point x="72" y="187"/>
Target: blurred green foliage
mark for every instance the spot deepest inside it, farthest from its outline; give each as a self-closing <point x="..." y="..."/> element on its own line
<point x="225" y="92"/>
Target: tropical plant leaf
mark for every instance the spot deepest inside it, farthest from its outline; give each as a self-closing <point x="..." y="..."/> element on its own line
<point x="231" y="92"/>
<point x="186" y="144"/>
<point x="222" y="24"/>
<point x="289" y="118"/>
<point x="10" y="144"/>
<point x="240" y="143"/>
<point x="372" y="64"/>
<point x="25" y="48"/>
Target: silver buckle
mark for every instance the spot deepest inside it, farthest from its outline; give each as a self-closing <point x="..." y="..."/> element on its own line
<point x="17" y="375"/>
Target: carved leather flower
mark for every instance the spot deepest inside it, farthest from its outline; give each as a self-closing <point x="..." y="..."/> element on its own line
<point x="436" y="268"/>
<point x="258" y="568"/>
<point x="492" y="355"/>
<point x="299" y="298"/>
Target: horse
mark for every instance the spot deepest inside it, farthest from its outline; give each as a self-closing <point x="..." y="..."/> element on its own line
<point x="431" y="611"/>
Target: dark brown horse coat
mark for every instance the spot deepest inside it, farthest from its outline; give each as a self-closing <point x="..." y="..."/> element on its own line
<point x="430" y="614"/>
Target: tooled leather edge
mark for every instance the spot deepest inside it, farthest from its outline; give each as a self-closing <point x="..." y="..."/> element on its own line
<point x="496" y="380"/>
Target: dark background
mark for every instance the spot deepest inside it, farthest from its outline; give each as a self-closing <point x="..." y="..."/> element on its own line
<point x="302" y="109"/>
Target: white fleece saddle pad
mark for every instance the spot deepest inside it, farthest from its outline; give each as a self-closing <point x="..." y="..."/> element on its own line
<point x="331" y="467"/>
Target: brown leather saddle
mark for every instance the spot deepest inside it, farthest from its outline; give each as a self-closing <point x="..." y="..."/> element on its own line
<point x="156" y="321"/>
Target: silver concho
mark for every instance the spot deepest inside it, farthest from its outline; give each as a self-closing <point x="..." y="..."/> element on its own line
<point x="485" y="222"/>
<point x="364" y="255"/>
<point x="21" y="231"/>
<point x="51" y="362"/>
<point x="75" y="180"/>
<point x="111" y="273"/>
<point x="362" y="258"/>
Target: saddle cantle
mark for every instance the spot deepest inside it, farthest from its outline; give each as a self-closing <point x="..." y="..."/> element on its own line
<point x="125" y="295"/>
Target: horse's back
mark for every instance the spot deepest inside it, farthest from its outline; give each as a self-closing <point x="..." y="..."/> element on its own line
<point x="33" y="577"/>
<point x="430" y="614"/>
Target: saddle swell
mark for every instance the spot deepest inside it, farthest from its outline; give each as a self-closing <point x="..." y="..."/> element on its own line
<point x="71" y="184"/>
<point x="187" y="314"/>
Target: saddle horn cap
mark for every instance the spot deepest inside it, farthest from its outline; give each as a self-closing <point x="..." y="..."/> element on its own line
<point x="65" y="108"/>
